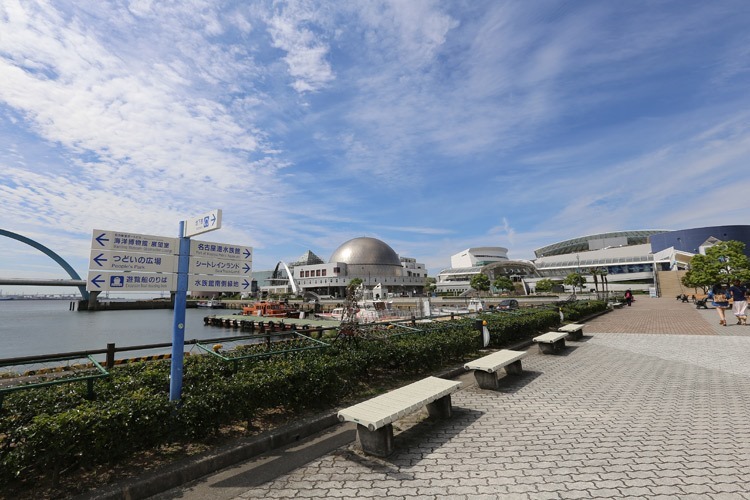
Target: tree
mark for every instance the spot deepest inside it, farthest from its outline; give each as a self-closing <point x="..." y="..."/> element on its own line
<point x="575" y="280"/>
<point x="605" y="283"/>
<point x="723" y="263"/>
<point x="503" y="283"/>
<point x="430" y="284"/>
<point x="599" y="272"/>
<point x="694" y="280"/>
<point x="544" y="285"/>
<point x="594" y="271"/>
<point x="480" y="282"/>
<point x="349" y="326"/>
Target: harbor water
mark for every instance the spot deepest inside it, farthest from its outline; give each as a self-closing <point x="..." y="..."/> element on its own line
<point x="36" y="327"/>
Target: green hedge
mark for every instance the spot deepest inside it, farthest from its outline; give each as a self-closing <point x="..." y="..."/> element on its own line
<point x="56" y="430"/>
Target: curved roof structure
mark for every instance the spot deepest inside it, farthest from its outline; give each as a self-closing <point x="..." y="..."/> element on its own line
<point x="365" y="251"/>
<point x="690" y="240"/>
<point x="597" y="241"/>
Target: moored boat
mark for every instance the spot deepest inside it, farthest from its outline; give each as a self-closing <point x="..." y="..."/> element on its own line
<point x="267" y="308"/>
<point x="211" y="304"/>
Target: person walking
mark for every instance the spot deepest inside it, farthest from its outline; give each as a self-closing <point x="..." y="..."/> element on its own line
<point x="739" y="302"/>
<point x="628" y="297"/>
<point x="719" y="296"/>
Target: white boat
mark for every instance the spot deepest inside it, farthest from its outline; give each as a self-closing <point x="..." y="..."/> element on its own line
<point x="474" y="306"/>
<point x="370" y="311"/>
<point x="211" y="304"/>
<point x="477" y="305"/>
<point x="336" y="314"/>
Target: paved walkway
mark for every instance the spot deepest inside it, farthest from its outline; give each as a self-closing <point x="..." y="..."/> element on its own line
<point x="654" y="402"/>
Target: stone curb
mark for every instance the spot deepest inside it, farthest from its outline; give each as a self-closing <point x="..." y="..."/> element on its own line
<point x="180" y="473"/>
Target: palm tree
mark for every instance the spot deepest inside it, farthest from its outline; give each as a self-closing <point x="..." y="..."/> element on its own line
<point x="603" y="273"/>
<point x="595" y="273"/>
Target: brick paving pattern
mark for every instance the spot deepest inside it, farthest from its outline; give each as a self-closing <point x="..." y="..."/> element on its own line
<point x="662" y="316"/>
<point x="654" y="402"/>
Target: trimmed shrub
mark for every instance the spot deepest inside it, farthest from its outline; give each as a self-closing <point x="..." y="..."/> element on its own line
<point x="55" y="429"/>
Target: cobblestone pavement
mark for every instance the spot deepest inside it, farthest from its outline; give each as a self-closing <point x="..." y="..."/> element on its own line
<point x="627" y="412"/>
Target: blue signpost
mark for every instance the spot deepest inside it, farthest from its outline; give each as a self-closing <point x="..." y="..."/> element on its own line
<point x="140" y="262"/>
<point x="178" y="324"/>
<point x="203" y="224"/>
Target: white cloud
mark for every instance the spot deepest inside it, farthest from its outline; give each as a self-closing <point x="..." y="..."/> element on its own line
<point x="291" y="28"/>
<point x="311" y="122"/>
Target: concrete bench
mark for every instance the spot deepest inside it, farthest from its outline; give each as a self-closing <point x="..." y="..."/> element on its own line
<point x="551" y="342"/>
<point x="574" y="331"/>
<point x="375" y="417"/>
<point x="617" y="305"/>
<point x="486" y="368"/>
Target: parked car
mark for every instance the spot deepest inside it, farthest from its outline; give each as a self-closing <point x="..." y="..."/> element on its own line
<point x="507" y="305"/>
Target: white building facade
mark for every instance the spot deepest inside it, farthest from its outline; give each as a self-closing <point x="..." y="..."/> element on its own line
<point x="371" y="260"/>
<point x="492" y="261"/>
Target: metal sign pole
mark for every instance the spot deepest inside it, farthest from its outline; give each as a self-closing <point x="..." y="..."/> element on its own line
<point x="178" y="325"/>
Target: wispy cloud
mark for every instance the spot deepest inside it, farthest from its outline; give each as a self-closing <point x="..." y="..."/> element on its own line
<point x="429" y="124"/>
<point x="292" y="28"/>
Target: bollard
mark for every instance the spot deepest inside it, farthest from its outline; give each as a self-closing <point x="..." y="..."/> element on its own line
<point x="478" y="325"/>
<point x="110" y="356"/>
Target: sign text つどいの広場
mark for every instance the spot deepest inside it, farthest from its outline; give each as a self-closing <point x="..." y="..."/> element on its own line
<point x="108" y="260"/>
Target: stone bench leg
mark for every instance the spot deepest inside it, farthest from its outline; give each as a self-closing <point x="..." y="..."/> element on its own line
<point x="514" y="368"/>
<point x="552" y="347"/>
<point x="490" y="381"/>
<point x="486" y="380"/>
<point x="378" y="442"/>
<point x="440" y="408"/>
<point x="575" y="335"/>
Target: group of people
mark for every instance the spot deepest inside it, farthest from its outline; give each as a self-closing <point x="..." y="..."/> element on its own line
<point x="720" y="297"/>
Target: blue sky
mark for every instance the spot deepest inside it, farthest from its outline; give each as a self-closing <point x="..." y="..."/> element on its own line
<point x="434" y="126"/>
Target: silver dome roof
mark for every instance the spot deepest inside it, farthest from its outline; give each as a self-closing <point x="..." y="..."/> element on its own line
<point x="365" y="250"/>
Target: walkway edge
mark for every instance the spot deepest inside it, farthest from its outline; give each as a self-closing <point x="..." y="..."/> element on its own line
<point x="177" y="474"/>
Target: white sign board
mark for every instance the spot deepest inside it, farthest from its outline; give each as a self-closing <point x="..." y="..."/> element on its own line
<point x="130" y="282"/>
<point x="206" y="283"/>
<point x="203" y="223"/>
<point x="226" y="251"/>
<point x="131" y="242"/>
<point x="220" y="267"/>
<point x="131" y="261"/>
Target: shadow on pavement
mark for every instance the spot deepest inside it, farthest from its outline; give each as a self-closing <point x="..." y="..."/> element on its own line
<point x="272" y="464"/>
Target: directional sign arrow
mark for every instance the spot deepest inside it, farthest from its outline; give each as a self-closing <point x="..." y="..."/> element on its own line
<point x="213" y="219"/>
<point x="246" y="268"/>
<point x="247" y="253"/>
<point x="245" y="284"/>
<point x="99" y="259"/>
<point x="101" y="239"/>
<point x="96" y="280"/>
